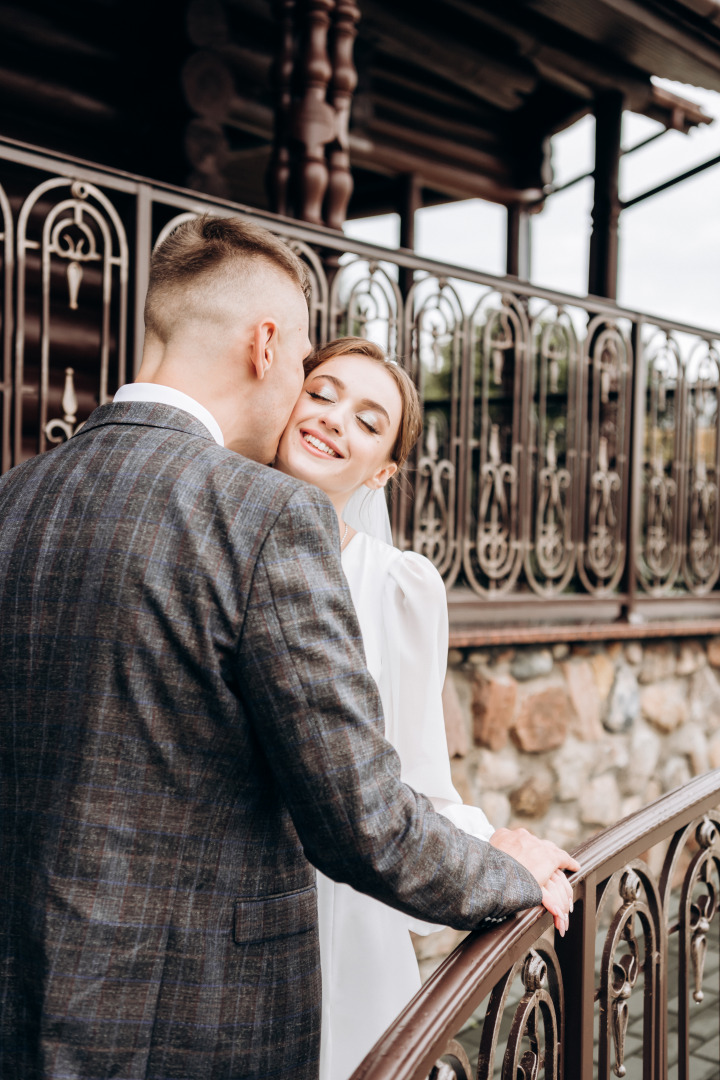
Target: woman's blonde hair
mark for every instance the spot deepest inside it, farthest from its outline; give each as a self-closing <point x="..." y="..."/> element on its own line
<point x="410" y="427"/>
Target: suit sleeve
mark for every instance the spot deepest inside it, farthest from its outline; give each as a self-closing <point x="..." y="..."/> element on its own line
<point x="317" y="714"/>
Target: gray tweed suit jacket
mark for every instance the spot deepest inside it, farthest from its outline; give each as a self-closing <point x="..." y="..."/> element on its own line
<point x="187" y="725"/>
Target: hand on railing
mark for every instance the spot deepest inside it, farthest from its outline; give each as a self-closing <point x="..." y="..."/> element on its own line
<point x="546" y="862"/>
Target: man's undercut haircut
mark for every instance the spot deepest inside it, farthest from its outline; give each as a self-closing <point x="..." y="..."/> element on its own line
<point x="200" y="248"/>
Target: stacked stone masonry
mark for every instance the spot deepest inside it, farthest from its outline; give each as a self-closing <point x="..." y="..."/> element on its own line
<point x="567" y="739"/>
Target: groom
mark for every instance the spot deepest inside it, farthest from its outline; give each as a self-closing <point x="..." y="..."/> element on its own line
<point x="187" y="721"/>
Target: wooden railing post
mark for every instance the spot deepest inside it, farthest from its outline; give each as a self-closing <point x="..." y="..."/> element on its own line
<point x="576" y="952"/>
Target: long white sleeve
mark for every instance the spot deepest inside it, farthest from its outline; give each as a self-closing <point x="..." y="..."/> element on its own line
<point x="416" y="645"/>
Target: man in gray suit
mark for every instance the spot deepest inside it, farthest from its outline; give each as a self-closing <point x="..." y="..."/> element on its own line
<point x="187" y="721"/>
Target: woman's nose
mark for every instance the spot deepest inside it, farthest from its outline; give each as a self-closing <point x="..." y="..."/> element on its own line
<point x="333" y="420"/>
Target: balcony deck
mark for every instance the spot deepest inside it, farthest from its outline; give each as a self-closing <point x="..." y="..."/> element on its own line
<point x="569" y="467"/>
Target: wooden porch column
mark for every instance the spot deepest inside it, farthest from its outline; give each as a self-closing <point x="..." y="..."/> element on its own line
<point x="602" y="276"/>
<point x="409" y="203"/>
<point x="517" y="262"/>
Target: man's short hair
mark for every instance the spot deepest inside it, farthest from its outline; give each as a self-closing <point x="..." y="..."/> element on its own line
<point x="201" y="247"/>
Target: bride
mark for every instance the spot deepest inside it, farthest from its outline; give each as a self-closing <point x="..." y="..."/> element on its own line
<point x="355" y="423"/>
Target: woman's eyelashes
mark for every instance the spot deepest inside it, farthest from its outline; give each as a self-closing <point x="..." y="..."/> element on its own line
<point x="321" y="397"/>
<point x="368" y="423"/>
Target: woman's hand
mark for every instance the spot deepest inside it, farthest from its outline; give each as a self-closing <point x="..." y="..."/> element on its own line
<point x="546" y="862"/>
<point x="557" y="898"/>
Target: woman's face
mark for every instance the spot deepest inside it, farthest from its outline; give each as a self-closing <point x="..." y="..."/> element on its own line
<point x="343" y="428"/>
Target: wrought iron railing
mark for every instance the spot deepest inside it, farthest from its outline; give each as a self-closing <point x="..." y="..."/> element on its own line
<point x="632" y="989"/>
<point x="570" y="460"/>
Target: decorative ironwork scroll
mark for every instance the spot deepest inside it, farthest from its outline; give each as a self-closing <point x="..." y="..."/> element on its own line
<point x="319" y="292"/>
<point x="80" y="245"/>
<point x="626" y="955"/>
<point x="701" y="556"/>
<point x="536" y="1033"/>
<point x="492" y="556"/>
<point x="554" y="459"/>
<point x="598" y="1006"/>
<point x="7" y="261"/>
<point x="532" y="467"/>
<point x="606" y="388"/>
<point x="663" y="466"/>
<point x="453" y="1065"/>
<point x="57" y="431"/>
<point x="694" y="852"/>
<point x="436" y="337"/>
<point x="365" y="301"/>
<point x="174" y="223"/>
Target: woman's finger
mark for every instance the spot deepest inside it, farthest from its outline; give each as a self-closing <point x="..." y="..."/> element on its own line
<point x="553" y="903"/>
<point x="565" y="885"/>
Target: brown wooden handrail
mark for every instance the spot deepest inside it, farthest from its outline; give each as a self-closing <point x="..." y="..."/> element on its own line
<point x="410" y="1048"/>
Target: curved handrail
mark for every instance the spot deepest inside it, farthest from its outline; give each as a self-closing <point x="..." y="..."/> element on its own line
<point x="409" y="1049"/>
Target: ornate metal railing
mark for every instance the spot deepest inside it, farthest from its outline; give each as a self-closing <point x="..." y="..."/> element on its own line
<point x="570" y="461"/>
<point x="632" y="988"/>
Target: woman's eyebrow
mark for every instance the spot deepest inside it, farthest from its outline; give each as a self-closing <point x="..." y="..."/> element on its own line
<point x="331" y="378"/>
<point x="366" y="403"/>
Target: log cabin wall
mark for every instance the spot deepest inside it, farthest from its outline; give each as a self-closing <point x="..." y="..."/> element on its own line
<point x="322" y="108"/>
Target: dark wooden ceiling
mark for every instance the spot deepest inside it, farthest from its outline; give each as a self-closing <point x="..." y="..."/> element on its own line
<point x="461" y="94"/>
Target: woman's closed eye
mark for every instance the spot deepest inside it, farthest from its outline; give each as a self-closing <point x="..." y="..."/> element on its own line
<point x="321" y="397"/>
<point x="370" y="422"/>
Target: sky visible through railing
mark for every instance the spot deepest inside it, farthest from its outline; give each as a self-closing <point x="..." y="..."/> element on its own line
<point x="669" y="245"/>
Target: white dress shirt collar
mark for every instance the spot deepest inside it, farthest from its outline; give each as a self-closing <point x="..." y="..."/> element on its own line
<point x="168" y="395"/>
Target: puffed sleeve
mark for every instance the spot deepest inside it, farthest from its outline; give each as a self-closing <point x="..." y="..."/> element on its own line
<point x="416" y="647"/>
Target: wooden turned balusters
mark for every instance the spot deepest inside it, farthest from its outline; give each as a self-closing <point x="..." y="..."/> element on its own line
<point x="283" y="69"/>
<point x="344" y="81"/>
<point x="315" y="76"/>
<point x="313" y="121"/>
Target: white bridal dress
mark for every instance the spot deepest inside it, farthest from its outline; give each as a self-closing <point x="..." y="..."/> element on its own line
<point x="369" y="970"/>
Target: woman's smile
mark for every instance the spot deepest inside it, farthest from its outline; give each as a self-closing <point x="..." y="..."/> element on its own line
<point x="319" y="444"/>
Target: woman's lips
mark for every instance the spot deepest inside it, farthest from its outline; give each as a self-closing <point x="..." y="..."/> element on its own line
<point x="318" y="450"/>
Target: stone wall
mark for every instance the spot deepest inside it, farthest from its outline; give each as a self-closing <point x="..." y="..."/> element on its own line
<point x="567" y="739"/>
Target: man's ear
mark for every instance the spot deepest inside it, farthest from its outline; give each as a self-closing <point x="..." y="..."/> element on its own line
<point x="262" y="347"/>
<point x="381" y="477"/>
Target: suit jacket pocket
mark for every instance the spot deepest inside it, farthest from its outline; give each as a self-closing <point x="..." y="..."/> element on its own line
<point x="270" y="918"/>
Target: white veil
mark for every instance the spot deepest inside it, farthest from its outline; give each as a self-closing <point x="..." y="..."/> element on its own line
<point x="366" y="511"/>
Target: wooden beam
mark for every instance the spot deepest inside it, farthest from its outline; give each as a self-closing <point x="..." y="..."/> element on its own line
<point x="478" y="135"/>
<point x="481" y="75"/>
<point x="435" y="146"/>
<point x="449" y="178"/>
<point x="602" y="276"/>
<point x="425" y="86"/>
